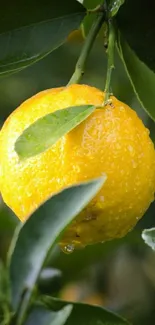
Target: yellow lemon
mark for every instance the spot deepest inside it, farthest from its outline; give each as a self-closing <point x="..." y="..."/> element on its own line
<point x="112" y="141"/>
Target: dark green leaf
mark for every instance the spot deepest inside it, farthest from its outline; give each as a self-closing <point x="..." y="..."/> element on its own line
<point x="83" y="314"/>
<point x="29" y="30"/>
<point x="137" y="24"/>
<point x="47" y="130"/>
<point x="40" y="233"/>
<point x="43" y="316"/>
<point x="141" y="77"/>
<point x="149" y="237"/>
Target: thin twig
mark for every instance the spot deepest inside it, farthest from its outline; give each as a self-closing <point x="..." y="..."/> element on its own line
<point x="110" y="66"/>
<point x="99" y="8"/>
<point x="80" y="66"/>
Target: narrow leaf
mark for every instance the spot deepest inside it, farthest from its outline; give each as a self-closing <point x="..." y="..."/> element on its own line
<point x="139" y="35"/>
<point x="43" y="316"/>
<point x="115" y="6"/>
<point x="47" y="130"/>
<point x="141" y="77"/>
<point x="84" y="314"/>
<point x="148" y="236"/>
<point x="41" y="231"/>
<point x="30" y="30"/>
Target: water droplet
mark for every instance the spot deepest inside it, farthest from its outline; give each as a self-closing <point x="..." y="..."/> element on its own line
<point x="68" y="249"/>
<point x="134" y="164"/>
<point x="130" y="148"/>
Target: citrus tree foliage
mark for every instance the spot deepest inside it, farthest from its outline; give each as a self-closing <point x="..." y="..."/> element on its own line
<point x="29" y="31"/>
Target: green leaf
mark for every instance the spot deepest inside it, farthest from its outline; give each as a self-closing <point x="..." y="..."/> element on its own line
<point x="29" y="30"/>
<point x="136" y="21"/>
<point x="148" y="236"/>
<point x="84" y="314"/>
<point x="47" y="130"/>
<point x="141" y="77"/>
<point x="41" y="231"/>
<point x="42" y="316"/>
<point x="89" y="19"/>
<point x="115" y="6"/>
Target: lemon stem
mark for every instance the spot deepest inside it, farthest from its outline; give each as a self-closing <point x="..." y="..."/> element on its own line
<point x="80" y="65"/>
<point x="110" y="66"/>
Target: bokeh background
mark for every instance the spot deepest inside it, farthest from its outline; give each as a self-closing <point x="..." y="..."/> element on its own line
<point x="119" y="275"/>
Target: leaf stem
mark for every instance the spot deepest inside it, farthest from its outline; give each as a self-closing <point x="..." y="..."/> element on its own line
<point x="21" y="313"/>
<point x="99" y="8"/>
<point x="80" y="66"/>
<point x="110" y="66"/>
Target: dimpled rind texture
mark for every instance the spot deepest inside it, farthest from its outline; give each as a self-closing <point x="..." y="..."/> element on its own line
<point x="111" y="141"/>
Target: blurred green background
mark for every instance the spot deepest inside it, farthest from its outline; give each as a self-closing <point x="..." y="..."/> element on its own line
<point x="120" y="274"/>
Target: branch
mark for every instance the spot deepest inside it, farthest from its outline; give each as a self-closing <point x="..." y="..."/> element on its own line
<point x="80" y="66"/>
<point x="110" y="67"/>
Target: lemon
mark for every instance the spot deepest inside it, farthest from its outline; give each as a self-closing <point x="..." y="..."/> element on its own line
<point x="112" y="141"/>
